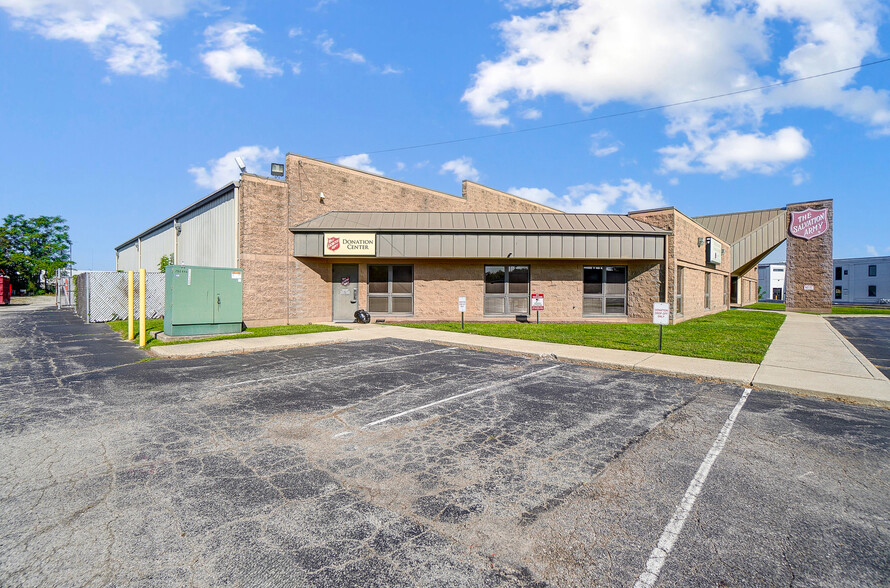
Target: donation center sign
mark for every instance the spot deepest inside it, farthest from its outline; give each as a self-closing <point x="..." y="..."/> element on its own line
<point x="350" y="244"/>
<point x="809" y="223"/>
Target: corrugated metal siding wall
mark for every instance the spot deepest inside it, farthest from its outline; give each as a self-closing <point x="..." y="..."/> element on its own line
<point x="484" y="245"/>
<point x="128" y="257"/>
<point x="156" y="245"/>
<point x="209" y="235"/>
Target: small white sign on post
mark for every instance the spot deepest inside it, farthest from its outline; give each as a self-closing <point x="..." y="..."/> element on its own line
<point x="462" y="304"/>
<point x="661" y="313"/>
<point x="537" y="302"/>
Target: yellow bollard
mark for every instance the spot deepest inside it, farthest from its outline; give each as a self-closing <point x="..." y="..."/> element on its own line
<point x="142" y="307"/>
<point x="131" y="330"/>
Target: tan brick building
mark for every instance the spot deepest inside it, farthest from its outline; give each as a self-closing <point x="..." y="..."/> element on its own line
<point x="326" y="240"/>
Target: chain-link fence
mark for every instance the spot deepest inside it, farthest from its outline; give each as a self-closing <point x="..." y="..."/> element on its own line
<point x="102" y="296"/>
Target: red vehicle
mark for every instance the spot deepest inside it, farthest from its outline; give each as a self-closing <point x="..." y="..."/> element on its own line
<point x="5" y="289"/>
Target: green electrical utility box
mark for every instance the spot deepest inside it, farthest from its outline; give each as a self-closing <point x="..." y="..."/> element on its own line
<point x="202" y="300"/>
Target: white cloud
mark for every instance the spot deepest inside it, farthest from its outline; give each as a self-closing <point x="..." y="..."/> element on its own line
<point x="871" y="250"/>
<point x="296" y="68"/>
<point x="327" y="45"/>
<point x="531" y="114"/>
<point x="400" y="165"/>
<point x="674" y="181"/>
<point x="228" y="53"/>
<point x="122" y="32"/>
<point x="597" y="198"/>
<point x="360" y="161"/>
<point x="799" y="176"/>
<point x="295" y="32"/>
<point x="736" y="152"/>
<point x="462" y="168"/>
<point x="602" y="144"/>
<point x="590" y="53"/>
<point x="220" y="172"/>
<point x="390" y="70"/>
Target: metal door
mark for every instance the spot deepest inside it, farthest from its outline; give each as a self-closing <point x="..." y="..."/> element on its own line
<point x="345" y="285"/>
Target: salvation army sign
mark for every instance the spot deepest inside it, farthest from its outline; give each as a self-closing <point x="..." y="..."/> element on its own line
<point x="809" y="223"/>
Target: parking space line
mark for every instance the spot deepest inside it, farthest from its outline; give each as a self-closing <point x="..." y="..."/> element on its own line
<point x="456" y="396"/>
<point x="338" y="367"/>
<point x="675" y="526"/>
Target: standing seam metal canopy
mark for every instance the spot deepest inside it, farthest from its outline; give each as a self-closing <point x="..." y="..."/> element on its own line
<point x="513" y="222"/>
<point x="489" y="235"/>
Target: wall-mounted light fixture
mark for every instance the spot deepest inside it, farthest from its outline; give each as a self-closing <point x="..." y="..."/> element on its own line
<point x="701" y="241"/>
<point x="277" y="169"/>
<point x="321" y="197"/>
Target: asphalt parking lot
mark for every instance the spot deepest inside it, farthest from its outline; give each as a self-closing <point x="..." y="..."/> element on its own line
<point x="391" y="463"/>
<point x="870" y="335"/>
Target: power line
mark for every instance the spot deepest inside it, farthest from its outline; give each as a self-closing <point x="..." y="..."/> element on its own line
<point x="625" y="112"/>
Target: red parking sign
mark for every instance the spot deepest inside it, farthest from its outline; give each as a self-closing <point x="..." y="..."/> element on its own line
<point x="537" y="302"/>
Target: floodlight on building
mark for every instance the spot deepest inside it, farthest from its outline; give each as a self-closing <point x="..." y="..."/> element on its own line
<point x="321" y="196"/>
<point x="278" y="169"/>
<point x="240" y="163"/>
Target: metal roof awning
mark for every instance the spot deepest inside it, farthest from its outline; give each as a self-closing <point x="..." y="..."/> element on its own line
<point x="752" y="235"/>
<point x="461" y="235"/>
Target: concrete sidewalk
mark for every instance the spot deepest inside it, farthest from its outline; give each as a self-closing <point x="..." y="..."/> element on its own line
<point x="808" y="356"/>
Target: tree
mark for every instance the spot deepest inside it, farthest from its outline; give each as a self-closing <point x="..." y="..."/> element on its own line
<point x="165" y="261"/>
<point x="28" y="245"/>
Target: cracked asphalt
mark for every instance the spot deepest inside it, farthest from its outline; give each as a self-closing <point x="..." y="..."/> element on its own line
<point x="393" y="463"/>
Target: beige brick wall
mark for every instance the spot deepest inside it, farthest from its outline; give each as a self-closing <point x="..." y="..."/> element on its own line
<point x="683" y="251"/>
<point x="278" y="288"/>
<point x="439" y="283"/>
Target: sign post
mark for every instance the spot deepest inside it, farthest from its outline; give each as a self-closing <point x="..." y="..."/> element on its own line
<point x="661" y="314"/>
<point x="538" y="305"/>
<point x="462" y="307"/>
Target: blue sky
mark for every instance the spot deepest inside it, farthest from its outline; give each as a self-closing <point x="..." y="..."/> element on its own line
<point x="117" y="113"/>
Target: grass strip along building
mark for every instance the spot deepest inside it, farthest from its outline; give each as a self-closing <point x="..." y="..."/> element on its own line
<point x="324" y="241"/>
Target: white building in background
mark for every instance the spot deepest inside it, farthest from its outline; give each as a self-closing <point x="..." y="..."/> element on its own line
<point x="862" y="280"/>
<point x="857" y="280"/>
<point x="771" y="281"/>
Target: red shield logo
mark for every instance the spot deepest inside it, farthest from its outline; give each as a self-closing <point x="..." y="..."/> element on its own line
<point x="333" y="243"/>
<point x="809" y="223"/>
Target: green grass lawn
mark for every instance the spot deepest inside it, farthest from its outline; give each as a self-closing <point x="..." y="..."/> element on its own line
<point x="733" y="335"/>
<point x="158" y="325"/>
<point x="837" y="309"/>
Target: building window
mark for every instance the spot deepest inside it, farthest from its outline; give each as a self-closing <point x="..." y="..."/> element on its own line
<point x="678" y="294"/>
<point x="872" y="271"/>
<point x="605" y="290"/>
<point x="506" y="289"/>
<point x="837" y="292"/>
<point x="838" y="273"/>
<point x="391" y="289"/>
<point x="872" y="291"/>
<point x="707" y="291"/>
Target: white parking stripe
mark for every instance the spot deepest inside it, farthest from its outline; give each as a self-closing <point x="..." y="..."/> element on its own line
<point x="672" y="531"/>
<point x="339" y="367"/>
<point x="456" y="396"/>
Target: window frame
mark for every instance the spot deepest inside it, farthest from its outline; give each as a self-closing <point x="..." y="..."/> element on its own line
<point x="389" y="295"/>
<point x="838" y="273"/>
<point x="604" y="296"/>
<point x="678" y="292"/>
<point x="707" y="290"/>
<point x="506" y="296"/>
<point x="872" y="271"/>
<point x="872" y="291"/>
